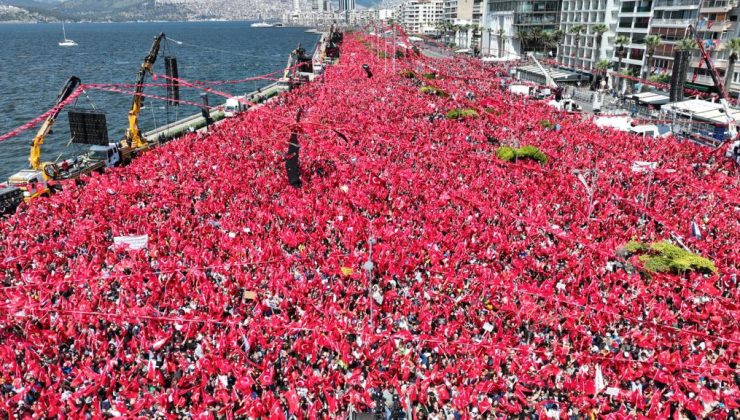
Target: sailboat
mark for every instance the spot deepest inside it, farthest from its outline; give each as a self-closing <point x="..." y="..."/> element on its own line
<point x="66" y="42"/>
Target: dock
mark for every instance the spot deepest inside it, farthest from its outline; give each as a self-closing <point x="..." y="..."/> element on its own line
<point x="196" y="122"/>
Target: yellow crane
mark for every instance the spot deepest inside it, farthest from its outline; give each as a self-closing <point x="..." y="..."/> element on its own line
<point x="35" y="159"/>
<point x="133" y="136"/>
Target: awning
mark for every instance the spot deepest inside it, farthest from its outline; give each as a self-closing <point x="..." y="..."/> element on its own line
<point x="701" y="110"/>
<point x="651" y="98"/>
<point x="557" y="75"/>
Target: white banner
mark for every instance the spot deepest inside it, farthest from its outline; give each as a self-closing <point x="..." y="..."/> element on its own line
<point x="134" y="242"/>
<point x="639" y="166"/>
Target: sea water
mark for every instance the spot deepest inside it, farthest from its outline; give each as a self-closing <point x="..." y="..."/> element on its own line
<point x="33" y="69"/>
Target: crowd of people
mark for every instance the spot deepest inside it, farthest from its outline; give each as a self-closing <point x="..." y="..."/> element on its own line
<point x="411" y="261"/>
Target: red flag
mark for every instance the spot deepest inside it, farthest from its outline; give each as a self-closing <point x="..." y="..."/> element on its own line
<point x="294" y="402"/>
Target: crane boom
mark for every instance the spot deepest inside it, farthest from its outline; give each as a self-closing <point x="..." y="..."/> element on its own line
<point x="548" y="79"/>
<point x="35" y="158"/>
<point x="731" y="122"/>
<point x="133" y="134"/>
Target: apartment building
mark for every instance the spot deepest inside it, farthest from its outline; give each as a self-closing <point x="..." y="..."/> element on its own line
<point x="715" y="21"/>
<point x="505" y="21"/>
<point x="583" y="51"/>
<point x="421" y="16"/>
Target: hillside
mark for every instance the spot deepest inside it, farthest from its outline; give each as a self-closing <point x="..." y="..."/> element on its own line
<point x="131" y="10"/>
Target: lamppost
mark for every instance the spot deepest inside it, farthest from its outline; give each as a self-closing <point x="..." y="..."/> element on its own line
<point x="368" y="267"/>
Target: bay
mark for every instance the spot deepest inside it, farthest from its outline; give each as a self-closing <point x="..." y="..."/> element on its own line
<point x="33" y="68"/>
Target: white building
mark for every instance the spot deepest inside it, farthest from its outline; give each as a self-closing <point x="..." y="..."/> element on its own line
<point x="588" y="13"/>
<point x="498" y="34"/>
<point x="421" y="16"/>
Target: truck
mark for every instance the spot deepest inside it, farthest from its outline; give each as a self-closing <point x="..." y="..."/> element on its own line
<point x="97" y="159"/>
<point x="233" y="107"/>
<point x="32" y="183"/>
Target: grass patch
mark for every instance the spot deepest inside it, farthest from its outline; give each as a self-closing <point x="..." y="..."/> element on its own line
<point x="408" y="74"/>
<point x="429" y="76"/>
<point x="546" y="124"/>
<point x="431" y="90"/>
<point x="664" y="257"/>
<point x="458" y="114"/>
<point x="510" y="154"/>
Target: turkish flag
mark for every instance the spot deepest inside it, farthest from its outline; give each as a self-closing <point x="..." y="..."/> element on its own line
<point x="294" y="402"/>
<point x="266" y="379"/>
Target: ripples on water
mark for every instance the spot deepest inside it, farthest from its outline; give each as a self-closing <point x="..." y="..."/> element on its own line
<point x="34" y="68"/>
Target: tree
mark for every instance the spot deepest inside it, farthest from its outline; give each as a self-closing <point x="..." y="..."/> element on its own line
<point x="651" y="43"/>
<point x="603" y="65"/>
<point x="537" y="36"/>
<point x="686" y="44"/>
<point x="599" y="30"/>
<point x="489" y="31"/>
<point x="620" y="42"/>
<point x="524" y="36"/>
<point x="501" y="42"/>
<point x="733" y="46"/>
<point x="556" y="37"/>
<point x="577" y="30"/>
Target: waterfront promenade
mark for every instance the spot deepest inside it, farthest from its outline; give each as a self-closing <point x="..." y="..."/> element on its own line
<point x="423" y="257"/>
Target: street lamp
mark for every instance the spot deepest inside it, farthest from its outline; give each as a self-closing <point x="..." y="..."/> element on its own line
<point x="368" y="267"/>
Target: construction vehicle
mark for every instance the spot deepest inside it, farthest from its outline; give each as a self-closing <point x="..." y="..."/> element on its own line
<point x="551" y="88"/>
<point x="33" y="182"/>
<point x="719" y="85"/>
<point x="133" y="138"/>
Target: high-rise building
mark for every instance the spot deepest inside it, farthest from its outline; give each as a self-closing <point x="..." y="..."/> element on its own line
<point x="320" y="5"/>
<point x="584" y="54"/>
<point x="346" y="5"/>
<point x="715" y="22"/>
<point x="296" y="5"/>
<point x="421" y="16"/>
<point x="517" y="20"/>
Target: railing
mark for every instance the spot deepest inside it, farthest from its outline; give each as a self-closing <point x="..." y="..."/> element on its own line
<point x="671" y="22"/>
<point x="717" y="4"/>
<point x="675" y="3"/>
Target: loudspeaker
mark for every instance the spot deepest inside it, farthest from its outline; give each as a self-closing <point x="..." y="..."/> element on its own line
<point x="88" y="126"/>
<point x="678" y="77"/>
<point x="173" y="86"/>
<point x="292" y="164"/>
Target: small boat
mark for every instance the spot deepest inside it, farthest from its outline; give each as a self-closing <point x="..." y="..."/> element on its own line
<point x="261" y="23"/>
<point x="66" y="42"/>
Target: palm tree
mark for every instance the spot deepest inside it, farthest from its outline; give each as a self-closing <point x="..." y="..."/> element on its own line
<point x="686" y="44"/>
<point x="524" y="36"/>
<point x="599" y="30"/>
<point x="537" y="36"/>
<point x="577" y="30"/>
<point x="620" y="42"/>
<point x="734" y="46"/>
<point x="501" y="42"/>
<point x="651" y="43"/>
<point x="603" y="65"/>
<point x="489" y="31"/>
<point x="557" y="37"/>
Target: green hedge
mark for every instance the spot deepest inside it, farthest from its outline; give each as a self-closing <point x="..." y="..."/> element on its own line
<point x="506" y="153"/>
<point x="408" y="74"/>
<point x="429" y="76"/>
<point x="431" y="90"/>
<point x="546" y="124"/>
<point x="509" y="154"/>
<point x="664" y="257"/>
<point x="457" y="114"/>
